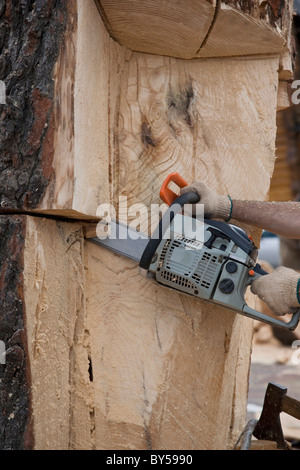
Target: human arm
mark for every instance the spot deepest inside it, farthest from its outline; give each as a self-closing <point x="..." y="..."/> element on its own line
<point x="282" y="218"/>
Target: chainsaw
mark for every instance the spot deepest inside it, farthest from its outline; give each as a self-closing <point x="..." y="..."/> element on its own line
<point x="217" y="264"/>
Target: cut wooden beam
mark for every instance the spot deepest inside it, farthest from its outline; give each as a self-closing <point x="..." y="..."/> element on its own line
<point x="55" y="149"/>
<point x="158" y="380"/>
<point x="196" y="125"/>
<point x="107" y="359"/>
<point x="106" y="368"/>
<point x="54" y="302"/>
<point x="74" y="105"/>
<point x="284" y="95"/>
<point x="265" y="39"/>
<point x="80" y="171"/>
<point x="175" y="29"/>
<point x="197" y="28"/>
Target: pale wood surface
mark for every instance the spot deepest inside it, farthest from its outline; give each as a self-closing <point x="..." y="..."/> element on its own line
<point x="117" y="362"/>
<point x="166" y="367"/>
<point x="264" y="39"/>
<point x="55" y="306"/>
<point x="166" y="28"/>
<point x="168" y="372"/>
<point x="196" y="28"/>
<point x="174" y="116"/>
<point x="95" y="80"/>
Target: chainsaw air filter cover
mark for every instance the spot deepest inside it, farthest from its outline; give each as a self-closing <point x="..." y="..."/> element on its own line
<point x="184" y="265"/>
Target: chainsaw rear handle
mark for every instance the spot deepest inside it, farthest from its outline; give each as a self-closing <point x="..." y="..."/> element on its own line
<point x="165" y="221"/>
<point x="254" y="314"/>
<point x="259" y="270"/>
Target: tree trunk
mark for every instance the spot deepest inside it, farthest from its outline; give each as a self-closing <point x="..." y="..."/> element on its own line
<point x="102" y="104"/>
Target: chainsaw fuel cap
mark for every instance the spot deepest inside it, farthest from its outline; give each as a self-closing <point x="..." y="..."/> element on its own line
<point x="231" y="267"/>
<point x="226" y="286"/>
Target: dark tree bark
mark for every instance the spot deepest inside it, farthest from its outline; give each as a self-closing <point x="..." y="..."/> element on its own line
<point x="30" y="35"/>
<point x="14" y="389"/>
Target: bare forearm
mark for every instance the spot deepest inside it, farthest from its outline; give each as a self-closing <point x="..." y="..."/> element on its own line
<point x="282" y="218"/>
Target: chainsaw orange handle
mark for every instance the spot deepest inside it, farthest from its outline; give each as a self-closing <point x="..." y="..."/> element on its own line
<point x="166" y="194"/>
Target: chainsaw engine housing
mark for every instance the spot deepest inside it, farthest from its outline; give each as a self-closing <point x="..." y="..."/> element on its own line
<point x="218" y="265"/>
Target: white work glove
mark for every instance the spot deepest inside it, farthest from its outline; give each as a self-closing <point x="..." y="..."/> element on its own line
<point x="215" y="206"/>
<point x="280" y="290"/>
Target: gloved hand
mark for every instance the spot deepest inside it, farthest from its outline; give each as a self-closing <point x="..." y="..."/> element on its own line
<point x="215" y="206"/>
<point x="280" y="290"/>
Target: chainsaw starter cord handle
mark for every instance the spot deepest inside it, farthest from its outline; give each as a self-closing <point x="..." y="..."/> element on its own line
<point x="165" y="221"/>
